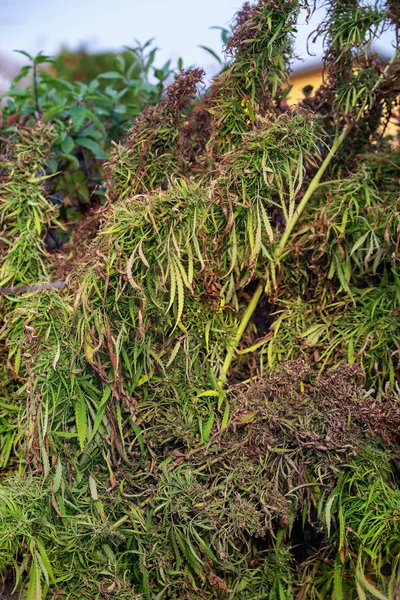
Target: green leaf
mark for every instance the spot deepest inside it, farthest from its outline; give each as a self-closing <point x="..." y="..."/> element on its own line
<point x="120" y="61"/>
<point x="54" y="110"/>
<point x="365" y="584"/>
<point x="145" y="586"/>
<point x="119" y="421"/>
<point x="45" y="459"/>
<point x="139" y="436"/>
<point x="212" y="53"/>
<point x="67" y="145"/>
<point x="91" y="115"/>
<point x="57" y="476"/>
<point x="111" y="75"/>
<point x="23" y="73"/>
<point x="17" y="362"/>
<point x="91" y="145"/>
<point x="208" y="427"/>
<point x="216" y="393"/>
<point x="45" y="560"/>
<point x="24" y="54"/>
<point x="78" y="115"/>
<point x="359" y="242"/>
<point x="328" y="514"/>
<point x="34" y="591"/>
<point x="80" y="419"/>
<point x="93" y="488"/>
<point x="338" y="581"/>
<point x="225" y="417"/>
<point x="72" y="159"/>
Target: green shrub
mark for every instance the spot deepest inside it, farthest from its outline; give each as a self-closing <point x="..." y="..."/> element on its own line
<point x="162" y="444"/>
<point x="86" y="117"/>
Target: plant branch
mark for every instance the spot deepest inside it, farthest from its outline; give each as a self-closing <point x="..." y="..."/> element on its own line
<point x="315" y="182"/>
<point x="241" y="329"/>
<point x="310" y="191"/>
<point x="37" y="287"/>
<point x="290" y="226"/>
<point x="35" y="90"/>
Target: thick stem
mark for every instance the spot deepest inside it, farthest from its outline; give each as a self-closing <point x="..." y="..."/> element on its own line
<point x="309" y="192"/>
<point x="289" y="228"/>
<point x="291" y="225"/>
<point x="241" y="329"/>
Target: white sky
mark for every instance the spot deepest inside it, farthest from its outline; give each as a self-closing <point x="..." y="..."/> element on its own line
<point x="178" y="26"/>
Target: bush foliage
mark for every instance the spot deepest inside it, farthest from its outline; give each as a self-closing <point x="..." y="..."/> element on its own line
<point x="204" y="402"/>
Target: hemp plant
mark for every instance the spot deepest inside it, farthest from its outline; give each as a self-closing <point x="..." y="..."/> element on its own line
<point x="209" y="407"/>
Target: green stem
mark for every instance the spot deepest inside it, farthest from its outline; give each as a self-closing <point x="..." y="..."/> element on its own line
<point x="241" y="329"/>
<point x="289" y="228"/>
<point x="310" y="190"/>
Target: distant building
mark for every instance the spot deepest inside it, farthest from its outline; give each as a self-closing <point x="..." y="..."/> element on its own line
<point x="310" y="76"/>
<point x="303" y="77"/>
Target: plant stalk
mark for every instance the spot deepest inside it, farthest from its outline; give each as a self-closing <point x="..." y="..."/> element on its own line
<point x="279" y="251"/>
<point x="309" y="192"/>
<point x="291" y="225"/>
<point x="241" y="329"/>
<point x="35" y="91"/>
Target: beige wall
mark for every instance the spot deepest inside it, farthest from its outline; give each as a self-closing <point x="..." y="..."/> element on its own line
<point x="301" y="78"/>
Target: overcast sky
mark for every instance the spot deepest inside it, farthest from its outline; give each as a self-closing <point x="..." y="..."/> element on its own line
<point x="178" y="26"/>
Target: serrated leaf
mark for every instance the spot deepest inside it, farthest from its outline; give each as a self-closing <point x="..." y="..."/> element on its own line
<point x="119" y="421"/>
<point x="209" y="393"/>
<point x="338" y="581"/>
<point x="181" y="294"/>
<point x="45" y="460"/>
<point x="359" y="242"/>
<point x="328" y="514"/>
<point x="57" y="477"/>
<point x="172" y="286"/>
<point x="93" y="488"/>
<point x="341" y="275"/>
<point x="97" y="421"/>
<point x="174" y="353"/>
<point x="80" y="420"/>
<point x="17" y="362"/>
<point x="225" y="417"/>
<point x="34" y="591"/>
<point x="139" y="436"/>
<point x="206" y="549"/>
<point x="313" y="334"/>
<point x="145" y="586"/>
<point x="365" y="584"/>
<point x="208" y="427"/>
<point x="45" y="560"/>
<point x="266" y="221"/>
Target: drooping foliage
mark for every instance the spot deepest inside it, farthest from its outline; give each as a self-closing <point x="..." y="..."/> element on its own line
<point x="209" y="407"/>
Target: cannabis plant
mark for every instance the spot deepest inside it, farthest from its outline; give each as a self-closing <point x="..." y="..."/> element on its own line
<point x="209" y="406"/>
